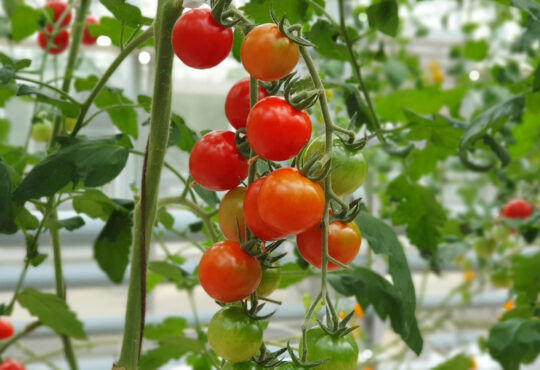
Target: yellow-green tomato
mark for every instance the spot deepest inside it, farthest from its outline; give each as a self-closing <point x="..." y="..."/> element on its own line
<point x="233" y="335"/>
<point x="41" y="131"/>
<point x="269" y="281"/>
<point x="500" y="277"/>
<point x="351" y="168"/>
<point x="341" y="352"/>
<point x="231" y="214"/>
<point x="69" y="124"/>
<point x="484" y="247"/>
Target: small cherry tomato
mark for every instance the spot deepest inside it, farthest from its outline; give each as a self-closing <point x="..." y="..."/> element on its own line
<point x="199" y="41"/>
<point x="87" y="38"/>
<point x="269" y="281"/>
<point x="268" y="55"/>
<point x="41" y="131"/>
<point x="252" y="217"/>
<point x="344" y="241"/>
<point x="290" y="202"/>
<point x="58" y="8"/>
<point x="277" y="131"/>
<point x="227" y="273"/>
<point x="231" y="215"/>
<point x="237" y="104"/>
<point x="59" y="43"/>
<point x="6" y="329"/>
<point x="233" y="335"/>
<point x="340" y="352"/>
<point x="11" y="365"/>
<point x="69" y="124"/>
<point x="215" y="163"/>
<point x="501" y="277"/>
<point x="517" y="208"/>
<point x="484" y="247"/>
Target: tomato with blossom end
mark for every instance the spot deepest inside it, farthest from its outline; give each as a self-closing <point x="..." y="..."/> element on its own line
<point x="276" y="130"/>
<point x="237" y="103"/>
<point x="227" y="273"/>
<point x="58" y="8"/>
<point x="344" y="241"/>
<point x="6" y="329"/>
<point x="59" y="43"/>
<point x="199" y="41"/>
<point x="290" y="202"/>
<point x="87" y="38"/>
<point x="252" y="217"/>
<point x="215" y="163"/>
<point x="517" y="208"/>
<point x="231" y="215"/>
<point x="340" y="352"/>
<point x="268" y="55"/>
<point x="11" y="365"/>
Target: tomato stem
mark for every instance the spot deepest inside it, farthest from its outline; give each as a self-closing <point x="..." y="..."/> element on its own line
<point x="27" y="330"/>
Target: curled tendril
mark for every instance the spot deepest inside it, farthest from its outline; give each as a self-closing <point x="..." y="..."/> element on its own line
<point x="286" y="29"/>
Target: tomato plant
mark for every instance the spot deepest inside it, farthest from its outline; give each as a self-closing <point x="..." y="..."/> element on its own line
<point x="6" y="329"/>
<point x="237" y="102"/>
<point x="59" y="43"/>
<point x="231" y="215"/>
<point x="341" y="352"/>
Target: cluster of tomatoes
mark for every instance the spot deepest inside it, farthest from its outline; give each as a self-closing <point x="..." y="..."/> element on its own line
<point x="6" y="332"/>
<point x="282" y="203"/>
<point x="61" y="20"/>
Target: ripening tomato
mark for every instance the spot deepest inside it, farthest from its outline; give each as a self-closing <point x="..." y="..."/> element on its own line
<point x="6" y="329"/>
<point x="341" y="352"/>
<point x="199" y="41"/>
<point x="237" y="103"/>
<point x="268" y="55"/>
<point x="517" y="208"/>
<point x="270" y="280"/>
<point x="215" y="163"/>
<point x="11" y="365"/>
<point x="227" y="273"/>
<point x="233" y="335"/>
<point x="277" y="131"/>
<point x="290" y="202"/>
<point x="58" y="8"/>
<point x="344" y="241"/>
<point x="252" y="217"/>
<point x="231" y="215"/>
<point x="59" y="43"/>
<point x="87" y="38"/>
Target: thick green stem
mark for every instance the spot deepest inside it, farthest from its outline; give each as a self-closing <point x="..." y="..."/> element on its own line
<point x="167" y="13"/>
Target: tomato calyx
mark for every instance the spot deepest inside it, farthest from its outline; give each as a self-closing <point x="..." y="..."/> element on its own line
<point x="296" y="93"/>
<point x="227" y="16"/>
<point x="242" y="145"/>
<point x="268" y="359"/>
<point x="293" y="32"/>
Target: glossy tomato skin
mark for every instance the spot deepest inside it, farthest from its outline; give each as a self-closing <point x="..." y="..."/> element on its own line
<point x="227" y="273"/>
<point x="237" y="104"/>
<point x="517" y="208"/>
<point x="87" y="38"/>
<point x="252" y="216"/>
<point x="58" y="8"/>
<point x="277" y="131"/>
<point x="351" y="168"/>
<point x="199" y="41"/>
<point x="215" y="163"/>
<point x="11" y="365"/>
<point x="6" y="329"/>
<point x="269" y="281"/>
<point x="344" y="241"/>
<point x="59" y="44"/>
<point x="268" y="55"/>
<point x="341" y="352"/>
<point x="290" y="202"/>
<point x="233" y="335"/>
<point x="231" y="215"/>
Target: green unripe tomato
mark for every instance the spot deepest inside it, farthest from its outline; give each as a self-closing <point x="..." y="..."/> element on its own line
<point x="500" y="277"/>
<point x="351" y="168"/>
<point x="69" y="124"/>
<point x="484" y="247"/>
<point x="233" y="335"/>
<point x="41" y="131"/>
<point x="500" y="232"/>
<point x="248" y="365"/>
<point x="269" y="281"/>
<point x="341" y="352"/>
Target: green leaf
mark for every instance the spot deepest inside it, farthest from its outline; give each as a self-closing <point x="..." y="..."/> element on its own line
<point x="7" y="214"/>
<point x="259" y="10"/>
<point x="210" y="197"/>
<point x="458" y="362"/>
<point x="94" y="204"/>
<point x="514" y="341"/>
<point x="70" y="224"/>
<point x="125" y="119"/>
<point x="526" y="276"/>
<point x="420" y="212"/>
<point x="181" y="135"/>
<point x="396" y="72"/>
<point x="531" y="7"/>
<point x="383" y="16"/>
<point x="170" y="327"/>
<point x="7" y="74"/>
<point x="52" y="312"/>
<point x="475" y="50"/>
<point x="85" y="84"/>
<point x="4" y="130"/>
<point x="5" y="94"/>
<point x="169" y="349"/>
<point x="167" y="270"/>
<point x="292" y="273"/>
<point x="370" y="288"/>
<point x="24" y="219"/>
<point x="24" y="21"/>
<point x="324" y="37"/>
<point x="238" y="38"/>
<point x="70" y="109"/>
<point x="165" y="218"/>
<point x="112" y="28"/>
<point x="126" y="13"/>
<point x="94" y="162"/>
<point x="526" y="135"/>
<point x="111" y="248"/>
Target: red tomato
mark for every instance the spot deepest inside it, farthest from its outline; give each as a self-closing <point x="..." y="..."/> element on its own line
<point x="59" y="43"/>
<point x="268" y="55"/>
<point x="11" y="365"/>
<point x="199" y="41"/>
<point x="277" y="131"/>
<point x="87" y="38"/>
<point x="6" y="329"/>
<point x="230" y="215"/>
<point x="215" y="163"/>
<point x="290" y="202"/>
<point x="58" y="8"/>
<point x="517" y="208"/>
<point x="253" y="219"/>
<point x="237" y="103"/>
<point x="344" y="241"/>
<point x="227" y="273"/>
